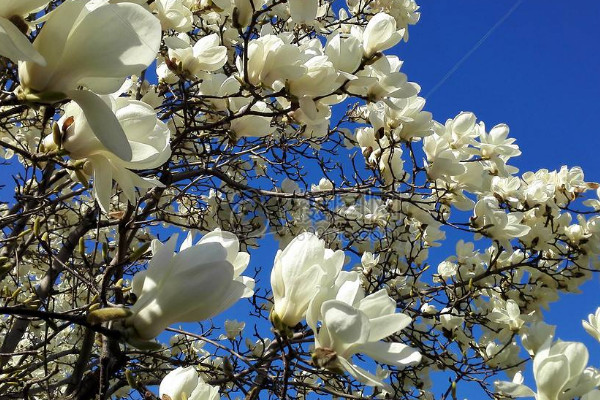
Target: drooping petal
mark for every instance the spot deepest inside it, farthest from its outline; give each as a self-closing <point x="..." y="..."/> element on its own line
<point x="513" y="389"/>
<point x="362" y="375"/>
<point x="102" y="182"/>
<point x="397" y="354"/>
<point x="16" y="46"/>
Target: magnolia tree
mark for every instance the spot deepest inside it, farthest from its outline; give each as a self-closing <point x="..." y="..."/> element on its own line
<point x="159" y="148"/>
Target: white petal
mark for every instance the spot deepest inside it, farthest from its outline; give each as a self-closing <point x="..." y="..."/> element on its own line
<point x="513" y="389"/>
<point x="551" y="375"/>
<point x="102" y="182"/>
<point x="397" y="354"/>
<point x="21" y="7"/>
<point x="347" y="326"/>
<point x="382" y="327"/>
<point x="160" y="264"/>
<point x="129" y="42"/>
<point x="188" y="242"/>
<point x="50" y="43"/>
<point x="378" y="304"/>
<point x="16" y="46"/>
<point x="361" y="375"/>
<point x="179" y="382"/>
<point x="226" y="239"/>
<point x="103" y="122"/>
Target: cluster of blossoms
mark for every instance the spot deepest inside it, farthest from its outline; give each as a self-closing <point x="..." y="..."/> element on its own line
<point x="133" y="120"/>
<point x="308" y="284"/>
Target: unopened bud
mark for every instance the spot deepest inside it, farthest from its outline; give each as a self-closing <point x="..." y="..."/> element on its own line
<point x="101" y="315"/>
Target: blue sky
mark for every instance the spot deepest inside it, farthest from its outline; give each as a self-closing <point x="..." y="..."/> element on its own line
<point x="532" y="64"/>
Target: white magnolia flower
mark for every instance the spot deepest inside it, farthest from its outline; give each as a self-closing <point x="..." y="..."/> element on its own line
<point x="508" y="314"/>
<point x="382" y="79"/>
<point x="145" y="133"/>
<point x="207" y="55"/>
<point x="272" y="62"/>
<point x="185" y="384"/>
<point x="498" y="224"/>
<point x="535" y="335"/>
<point x="352" y="323"/>
<point x="199" y="282"/>
<point x="560" y="373"/>
<point x="345" y="52"/>
<point x="319" y="79"/>
<point x="95" y="45"/>
<point x="298" y="272"/>
<point x="303" y="11"/>
<point x="380" y="34"/>
<point x="313" y="116"/>
<point x="403" y="119"/>
<point x="244" y="10"/>
<point x="253" y="125"/>
<point x="13" y="43"/>
<point x="174" y="14"/>
<point x="233" y="328"/>
<point x="447" y="269"/>
<point x="576" y="233"/>
<point x="592" y="325"/>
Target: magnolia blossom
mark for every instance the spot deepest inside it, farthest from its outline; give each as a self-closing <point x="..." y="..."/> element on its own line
<point x="313" y="116"/>
<point x="560" y="373"/>
<point x="303" y="11"/>
<point x="380" y="34"/>
<point x="185" y="384"/>
<point x="319" y="79"/>
<point x="498" y="224"/>
<point x="298" y="272"/>
<point x="345" y="52"/>
<point x="380" y="153"/>
<point x="199" y="282"/>
<point x="508" y="314"/>
<point x="592" y="325"/>
<point x="95" y="45"/>
<point x="535" y="335"/>
<point x="382" y="79"/>
<point x="174" y="14"/>
<point x="13" y="43"/>
<point x="240" y="10"/>
<point x="402" y="119"/>
<point x="272" y="62"/>
<point x="253" y="125"/>
<point x="206" y="55"/>
<point x="147" y="136"/>
<point x="352" y="323"/>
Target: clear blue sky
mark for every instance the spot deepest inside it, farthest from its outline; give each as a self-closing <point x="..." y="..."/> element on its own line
<point x="537" y="71"/>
